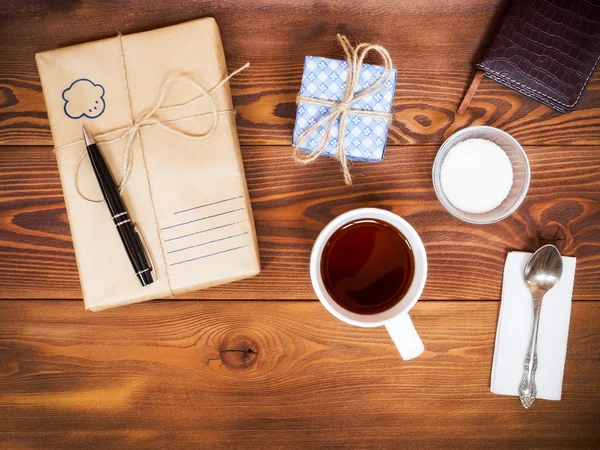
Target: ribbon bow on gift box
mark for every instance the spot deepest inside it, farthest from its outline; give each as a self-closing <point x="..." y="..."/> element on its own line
<point x="150" y="119"/>
<point x="355" y="57"/>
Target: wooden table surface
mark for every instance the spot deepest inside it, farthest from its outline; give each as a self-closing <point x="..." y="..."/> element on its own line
<point x="259" y="363"/>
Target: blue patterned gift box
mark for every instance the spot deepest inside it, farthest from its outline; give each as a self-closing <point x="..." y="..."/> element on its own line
<point x="365" y="136"/>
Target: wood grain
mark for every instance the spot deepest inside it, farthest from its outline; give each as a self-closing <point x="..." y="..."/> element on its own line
<point x="434" y="53"/>
<point x="275" y="375"/>
<point x="291" y="205"/>
<point x="258" y="374"/>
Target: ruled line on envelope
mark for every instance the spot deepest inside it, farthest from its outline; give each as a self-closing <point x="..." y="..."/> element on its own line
<point x="202" y="231"/>
<point x="202" y="218"/>
<point x="209" y="242"/>
<point x="206" y="256"/>
<point x="208" y="204"/>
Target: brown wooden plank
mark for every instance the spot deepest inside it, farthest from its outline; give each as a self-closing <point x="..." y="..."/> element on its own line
<point x="275" y="375"/>
<point x="433" y="50"/>
<point x="292" y="203"/>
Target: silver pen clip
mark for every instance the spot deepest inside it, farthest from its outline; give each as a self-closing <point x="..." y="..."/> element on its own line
<point x="146" y="250"/>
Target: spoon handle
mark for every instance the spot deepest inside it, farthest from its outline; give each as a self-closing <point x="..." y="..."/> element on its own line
<point x="527" y="389"/>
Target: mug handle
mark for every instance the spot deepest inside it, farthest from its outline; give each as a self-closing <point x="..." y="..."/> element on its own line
<point x="405" y="337"/>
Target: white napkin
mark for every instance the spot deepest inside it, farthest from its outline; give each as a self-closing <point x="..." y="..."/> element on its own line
<point x="515" y="324"/>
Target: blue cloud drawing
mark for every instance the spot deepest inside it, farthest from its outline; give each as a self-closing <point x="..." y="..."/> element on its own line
<point x="84" y="98"/>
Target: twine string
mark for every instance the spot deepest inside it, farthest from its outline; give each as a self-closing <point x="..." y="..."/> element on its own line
<point x="149" y="119"/>
<point x="355" y="57"/>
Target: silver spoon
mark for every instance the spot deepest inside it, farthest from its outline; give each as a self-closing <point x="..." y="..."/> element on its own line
<point x="542" y="271"/>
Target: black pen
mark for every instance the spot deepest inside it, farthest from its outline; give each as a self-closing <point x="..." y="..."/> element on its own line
<point x="130" y="236"/>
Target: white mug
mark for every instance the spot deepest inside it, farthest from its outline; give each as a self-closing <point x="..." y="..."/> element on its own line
<point x="396" y="319"/>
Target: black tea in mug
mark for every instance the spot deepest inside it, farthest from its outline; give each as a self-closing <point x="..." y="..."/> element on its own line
<point x="367" y="266"/>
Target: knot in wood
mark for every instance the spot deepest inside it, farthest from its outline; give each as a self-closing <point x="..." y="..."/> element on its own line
<point x="239" y="352"/>
<point x="422" y="120"/>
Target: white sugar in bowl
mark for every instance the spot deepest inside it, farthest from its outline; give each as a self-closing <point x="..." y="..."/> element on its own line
<point x="481" y="174"/>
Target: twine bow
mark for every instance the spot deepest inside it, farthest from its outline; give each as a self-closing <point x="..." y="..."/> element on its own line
<point x="149" y="119"/>
<point x="355" y="57"/>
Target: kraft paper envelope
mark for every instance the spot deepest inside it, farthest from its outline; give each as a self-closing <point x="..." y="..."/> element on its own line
<point x="187" y="195"/>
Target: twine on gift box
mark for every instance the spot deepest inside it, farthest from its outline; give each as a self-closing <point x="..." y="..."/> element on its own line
<point x="355" y="57"/>
<point x="148" y="119"/>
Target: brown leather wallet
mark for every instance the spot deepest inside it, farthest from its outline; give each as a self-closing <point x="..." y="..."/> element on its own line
<point x="545" y="49"/>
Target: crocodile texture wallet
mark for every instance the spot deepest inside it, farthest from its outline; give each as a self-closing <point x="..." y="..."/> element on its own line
<point x="546" y="49"/>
